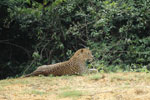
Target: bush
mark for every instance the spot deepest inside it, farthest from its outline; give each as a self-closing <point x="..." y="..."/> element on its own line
<point x="36" y="33"/>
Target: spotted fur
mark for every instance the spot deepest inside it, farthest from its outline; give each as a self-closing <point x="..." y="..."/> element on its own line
<point x="75" y="65"/>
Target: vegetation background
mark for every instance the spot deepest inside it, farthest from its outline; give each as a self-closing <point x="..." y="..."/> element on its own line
<point x="37" y="32"/>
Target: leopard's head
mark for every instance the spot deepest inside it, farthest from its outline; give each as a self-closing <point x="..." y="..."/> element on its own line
<point x="84" y="54"/>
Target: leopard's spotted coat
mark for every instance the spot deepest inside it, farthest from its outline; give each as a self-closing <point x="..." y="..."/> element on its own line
<point x="75" y="65"/>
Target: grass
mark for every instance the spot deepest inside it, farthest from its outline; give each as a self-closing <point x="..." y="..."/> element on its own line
<point x="96" y="77"/>
<point x="127" y="83"/>
<point x="98" y="86"/>
<point x="65" y="88"/>
<point x="121" y="78"/>
<point x="118" y="78"/>
<point x="66" y="77"/>
<point x="37" y="92"/>
<point x="12" y="81"/>
<point x="1" y="88"/>
<point x="143" y="76"/>
<point x="72" y="93"/>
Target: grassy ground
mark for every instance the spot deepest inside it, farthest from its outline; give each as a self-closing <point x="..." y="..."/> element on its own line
<point x="112" y="86"/>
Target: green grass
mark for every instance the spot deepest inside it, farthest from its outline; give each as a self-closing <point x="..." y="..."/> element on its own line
<point x="96" y="77"/>
<point x="72" y="93"/>
<point x="13" y="81"/>
<point x="1" y="88"/>
<point x="67" y="76"/>
<point x="35" y="92"/>
<point x="147" y="76"/>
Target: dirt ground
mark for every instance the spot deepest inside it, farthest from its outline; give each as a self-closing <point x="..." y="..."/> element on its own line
<point x="112" y="86"/>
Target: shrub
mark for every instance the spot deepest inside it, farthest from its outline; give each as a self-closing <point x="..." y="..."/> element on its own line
<point x="36" y="33"/>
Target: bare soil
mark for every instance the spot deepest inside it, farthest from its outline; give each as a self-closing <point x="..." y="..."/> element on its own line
<point x="111" y="86"/>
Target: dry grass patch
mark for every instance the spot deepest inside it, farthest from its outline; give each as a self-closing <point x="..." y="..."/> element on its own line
<point x="66" y="77"/>
<point x="13" y="81"/>
<point x="106" y="86"/>
<point x="118" y="78"/>
<point x="33" y="92"/>
<point x="37" y="92"/>
<point x="65" y="88"/>
<point x="114" y="78"/>
<point x="139" y="91"/>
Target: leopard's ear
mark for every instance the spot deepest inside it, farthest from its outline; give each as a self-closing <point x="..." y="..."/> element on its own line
<point x="81" y="50"/>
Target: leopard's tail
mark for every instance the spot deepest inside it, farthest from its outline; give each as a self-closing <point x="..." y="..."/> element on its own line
<point x="28" y="75"/>
<point x="35" y="73"/>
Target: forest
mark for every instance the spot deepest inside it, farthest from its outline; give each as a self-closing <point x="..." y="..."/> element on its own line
<point x="38" y="32"/>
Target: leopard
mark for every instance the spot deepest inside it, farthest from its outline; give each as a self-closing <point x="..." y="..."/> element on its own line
<point x="76" y="65"/>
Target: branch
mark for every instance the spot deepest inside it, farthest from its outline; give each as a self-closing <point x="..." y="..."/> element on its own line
<point x="18" y="46"/>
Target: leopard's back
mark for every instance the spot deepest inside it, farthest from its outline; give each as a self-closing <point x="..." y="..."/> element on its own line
<point x="58" y="69"/>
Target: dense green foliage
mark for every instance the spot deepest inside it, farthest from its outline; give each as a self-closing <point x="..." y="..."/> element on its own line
<point x="34" y="33"/>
